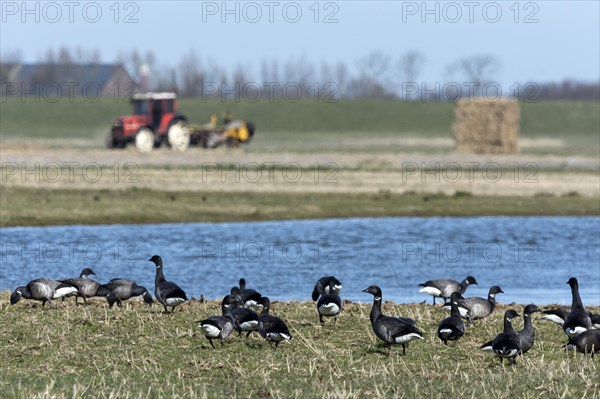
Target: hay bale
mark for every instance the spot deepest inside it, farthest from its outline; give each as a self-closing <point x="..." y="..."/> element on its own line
<point x="486" y="127"/>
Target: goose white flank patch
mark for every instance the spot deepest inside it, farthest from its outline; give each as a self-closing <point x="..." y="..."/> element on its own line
<point x="167" y="293"/>
<point x="329" y="309"/>
<point x="555" y="315"/>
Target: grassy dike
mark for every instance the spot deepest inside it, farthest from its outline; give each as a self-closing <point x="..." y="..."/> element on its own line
<point x="70" y="351"/>
<point x="79" y="118"/>
<point x="40" y="207"/>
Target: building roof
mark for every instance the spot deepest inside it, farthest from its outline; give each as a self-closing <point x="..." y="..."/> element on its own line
<point x="59" y="73"/>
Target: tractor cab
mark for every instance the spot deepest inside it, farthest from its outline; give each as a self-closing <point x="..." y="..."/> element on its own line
<point x="155" y="108"/>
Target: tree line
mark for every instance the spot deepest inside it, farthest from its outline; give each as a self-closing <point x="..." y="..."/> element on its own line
<point x="375" y="75"/>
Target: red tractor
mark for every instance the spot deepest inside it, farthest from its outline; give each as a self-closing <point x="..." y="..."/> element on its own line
<point x="154" y="122"/>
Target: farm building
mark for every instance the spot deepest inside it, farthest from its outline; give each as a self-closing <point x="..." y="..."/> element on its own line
<point x="49" y="81"/>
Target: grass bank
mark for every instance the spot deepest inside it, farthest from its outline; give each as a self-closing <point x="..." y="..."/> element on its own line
<point x="73" y="351"/>
<point x="83" y="119"/>
<point x="39" y="207"/>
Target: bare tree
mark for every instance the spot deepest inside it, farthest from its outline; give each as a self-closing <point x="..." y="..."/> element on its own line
<point x="64" y="56"/>
<point x="477" y="70"/>
<point x="192" y="75"/>
<point x="373" y="80"/>
<point x="409" y="67"/>
<point x="9" y="60"/>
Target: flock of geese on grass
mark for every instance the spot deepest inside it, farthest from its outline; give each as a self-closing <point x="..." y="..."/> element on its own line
<point x="581" y="327"/>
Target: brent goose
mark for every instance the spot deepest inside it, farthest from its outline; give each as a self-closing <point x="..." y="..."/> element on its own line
<point x="329" y="305"/>
<point x="474" y="308"/>
<point x="42" y="289"/>
<point x="216" y="327"/>
<point x="445" y="287"/>
<point x="232" y="301"/>
<point x="86" y="287"/>
<point x="555" y="315"/>
<point x="322" y="287"/>
<point x="452" y="328"/>
<point x="507" y="345"/>
<point x="509" y="315"/>
<point x="272" y="328"/>
<point x="558" y="316"/>
<point x="166" y="292"/>
<point x="527" y="334"/>
<point x="121" y="290"/>
<point x="244" y="319"/>
<point x="391" y="330"/>
<point x="248" y="296"/>
<point x="577" y="320"/>
<point x="586" y="342"/>
<point x="595" y="319"/>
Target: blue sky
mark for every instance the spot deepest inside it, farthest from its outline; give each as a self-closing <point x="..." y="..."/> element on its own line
<point x="534" y="41"/>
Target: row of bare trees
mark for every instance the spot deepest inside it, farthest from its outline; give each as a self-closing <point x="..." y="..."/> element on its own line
<point x="375" y="75"/>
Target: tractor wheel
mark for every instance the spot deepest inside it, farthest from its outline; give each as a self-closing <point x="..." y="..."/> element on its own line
<point x="178" y="135"/>
<point x="144" y="140"/>
<point x="113" y="142"/>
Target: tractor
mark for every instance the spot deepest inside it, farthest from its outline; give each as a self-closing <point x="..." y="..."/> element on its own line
<point x="155" y="122"/>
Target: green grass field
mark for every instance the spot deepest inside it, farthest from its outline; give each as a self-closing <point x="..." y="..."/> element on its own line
<point x="89" y="119"/>
<point x="41" y="207"/>
<point x="73" y="351"/>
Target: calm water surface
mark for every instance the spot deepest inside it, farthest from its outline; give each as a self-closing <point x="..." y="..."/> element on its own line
<point x="531" y="258"/>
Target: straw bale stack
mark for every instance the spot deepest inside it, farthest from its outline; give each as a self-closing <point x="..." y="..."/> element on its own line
<point x="485" y="127"/>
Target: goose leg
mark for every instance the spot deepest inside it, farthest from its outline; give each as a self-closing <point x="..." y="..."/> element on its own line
<point x="321" y="319"/>
<point x="211" y="343"/>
